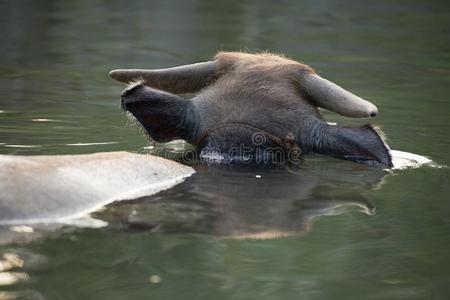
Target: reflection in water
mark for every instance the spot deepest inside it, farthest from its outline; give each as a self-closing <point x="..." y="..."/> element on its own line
<point x="228" y="201"/>
<point x="10" y="278"/>
<point x="13" y="267"/>
<point x="10" y="263"/>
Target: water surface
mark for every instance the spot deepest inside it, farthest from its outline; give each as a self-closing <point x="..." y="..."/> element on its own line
<point x="326" y="229"/>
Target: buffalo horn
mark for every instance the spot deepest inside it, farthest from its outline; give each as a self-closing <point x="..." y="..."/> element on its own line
<point x="330" y="96"/>
<point x="182" y="79"/>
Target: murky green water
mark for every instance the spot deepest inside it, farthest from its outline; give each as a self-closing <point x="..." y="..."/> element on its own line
<point x="325" y="230"/>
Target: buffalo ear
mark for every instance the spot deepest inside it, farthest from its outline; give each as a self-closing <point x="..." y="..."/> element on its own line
<point x="178" y="80"/>
<point x="328" y="95"/>
<point x="360" y="144"/>
<point x="164" y="116"/>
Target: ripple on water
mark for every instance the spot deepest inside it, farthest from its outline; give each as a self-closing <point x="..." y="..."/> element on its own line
<point x="45" y="120"/>
<point x="10" y="278"/>
<point x="92" y="144"/>
<point x="9" y="262"/>
<point x="405" y="160"/>
<point x="21" y="146"/>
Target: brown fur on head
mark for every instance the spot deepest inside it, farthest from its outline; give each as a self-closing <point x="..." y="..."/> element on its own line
<point x="244" y="62"/>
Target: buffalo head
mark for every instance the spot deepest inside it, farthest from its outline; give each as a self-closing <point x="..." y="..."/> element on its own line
<point x="256" y="101"/>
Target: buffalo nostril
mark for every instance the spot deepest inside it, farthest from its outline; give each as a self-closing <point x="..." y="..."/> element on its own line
<point x="373" y="114"/>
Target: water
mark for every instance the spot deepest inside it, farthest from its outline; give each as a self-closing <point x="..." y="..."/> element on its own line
<point x="326" y="229"/>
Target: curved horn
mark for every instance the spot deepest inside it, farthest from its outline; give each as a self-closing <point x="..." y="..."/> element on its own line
<point x="328" y="95"/>
<point x="183" y="79"/>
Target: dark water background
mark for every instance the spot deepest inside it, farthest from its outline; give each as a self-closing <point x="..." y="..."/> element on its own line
<point x="325" y="230"/>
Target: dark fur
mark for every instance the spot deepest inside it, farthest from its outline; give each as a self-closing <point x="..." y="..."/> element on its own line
<point x="260" y="90"/>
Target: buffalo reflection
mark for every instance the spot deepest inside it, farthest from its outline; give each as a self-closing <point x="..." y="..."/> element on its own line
<point x="252" y="202"/>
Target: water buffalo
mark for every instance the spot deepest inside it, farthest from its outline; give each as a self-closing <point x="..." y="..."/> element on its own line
<point x="259" y="101"/>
